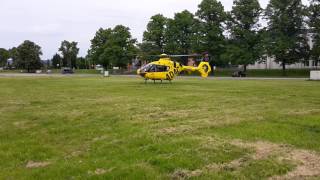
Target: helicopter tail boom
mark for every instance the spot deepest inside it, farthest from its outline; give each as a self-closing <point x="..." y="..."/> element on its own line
<point x="204" y="69"/>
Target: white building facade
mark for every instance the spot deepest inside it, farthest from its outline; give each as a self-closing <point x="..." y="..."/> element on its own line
<point x="269" y="63"/>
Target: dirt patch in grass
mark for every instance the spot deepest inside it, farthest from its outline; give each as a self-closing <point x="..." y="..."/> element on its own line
<point x="175" y="130"/>
<point x="307" y="162"/>
<point x="308" y="165"/>
<point x="24" y="125"/>
<point x="302" y="112"/>
<point x="262" y="149"/>
<point x="163" y="115"/>
<point x="33" y="164"/>
<point x="100" y="171"/>
<point x="185" y="174"/>
<point x="75" y="153"/>
<point x="100" y="138"/>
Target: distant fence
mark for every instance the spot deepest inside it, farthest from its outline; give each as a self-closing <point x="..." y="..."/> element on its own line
<point x="264" y="72"/>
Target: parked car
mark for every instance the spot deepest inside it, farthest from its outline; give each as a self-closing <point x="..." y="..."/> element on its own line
<point x="67" y="71"/>
<point x="239" y="74"/>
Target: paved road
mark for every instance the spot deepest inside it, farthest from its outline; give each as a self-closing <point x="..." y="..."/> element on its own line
<point x="135" y="76"/>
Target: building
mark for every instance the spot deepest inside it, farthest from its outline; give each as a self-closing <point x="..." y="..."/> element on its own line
<point x="269" y="63"/>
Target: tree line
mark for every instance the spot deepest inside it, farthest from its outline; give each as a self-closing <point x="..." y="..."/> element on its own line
<point x="239" y="36"/>
<point x="27" y="56"/>
<point x="242" y="36"/>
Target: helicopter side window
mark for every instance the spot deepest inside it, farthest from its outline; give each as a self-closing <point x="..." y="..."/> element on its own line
<point x="146" y="68"/>
<point x="162" y="68"/>
<point x="152" y="68"/>
<point x="155" y="68"/>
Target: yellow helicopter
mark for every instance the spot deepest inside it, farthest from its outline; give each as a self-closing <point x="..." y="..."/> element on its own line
<point x="166" y="69"/>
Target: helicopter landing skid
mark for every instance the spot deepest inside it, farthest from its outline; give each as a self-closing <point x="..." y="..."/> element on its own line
<point x="154" y="81"/>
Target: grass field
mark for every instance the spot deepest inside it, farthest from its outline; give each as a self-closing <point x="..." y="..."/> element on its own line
<point x="120" y="128"/>
<point x="294" y="73"/>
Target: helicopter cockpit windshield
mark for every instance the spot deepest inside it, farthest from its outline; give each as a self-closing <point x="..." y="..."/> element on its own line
<point x="154" y="68"/>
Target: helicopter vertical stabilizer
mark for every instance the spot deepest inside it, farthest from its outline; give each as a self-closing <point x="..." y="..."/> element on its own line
<point x="204" y="69"/>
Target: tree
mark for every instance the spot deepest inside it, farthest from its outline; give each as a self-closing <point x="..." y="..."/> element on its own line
<point x="287" y="40"/>
<point x="181" y="32"/>
<point x="56" y="61"/>
<point x="95" y="53"/>
<point x="113" y="47"/>
<point x="69" y="52"/>
<point x="13" y="53"/>
<point x="147" y="50"/>
<point x="314" y="23"/>
<point x="28" y="56"/>
<point x="155" y="33"/>
<point x="246" y="41"/>
<point x="4" y="56"/>
<point x="83" y="63"/>
<point x="213" y="17"/>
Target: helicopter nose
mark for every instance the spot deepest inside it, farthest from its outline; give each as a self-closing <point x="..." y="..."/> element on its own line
<point x="141" y="73"/>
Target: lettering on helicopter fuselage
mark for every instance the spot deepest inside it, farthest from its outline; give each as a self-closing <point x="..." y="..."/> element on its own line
<point x="170" y="75"/>
<point x="176" y="70"/>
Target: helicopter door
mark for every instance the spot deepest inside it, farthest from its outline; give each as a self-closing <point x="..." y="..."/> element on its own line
<point x="152" y="71"/>
<point x="161" y="72"/>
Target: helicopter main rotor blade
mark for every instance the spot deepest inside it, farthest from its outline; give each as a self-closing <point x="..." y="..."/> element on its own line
<point x="184" y="55"/>
<point x="173" y="56"/>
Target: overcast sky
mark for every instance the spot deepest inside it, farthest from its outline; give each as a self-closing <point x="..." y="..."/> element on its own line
<point x="48" y="22"/>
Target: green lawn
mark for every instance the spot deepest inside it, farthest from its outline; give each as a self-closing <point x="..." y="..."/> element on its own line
<point x="120" y="128"/>
<point x="294" y="73"/>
